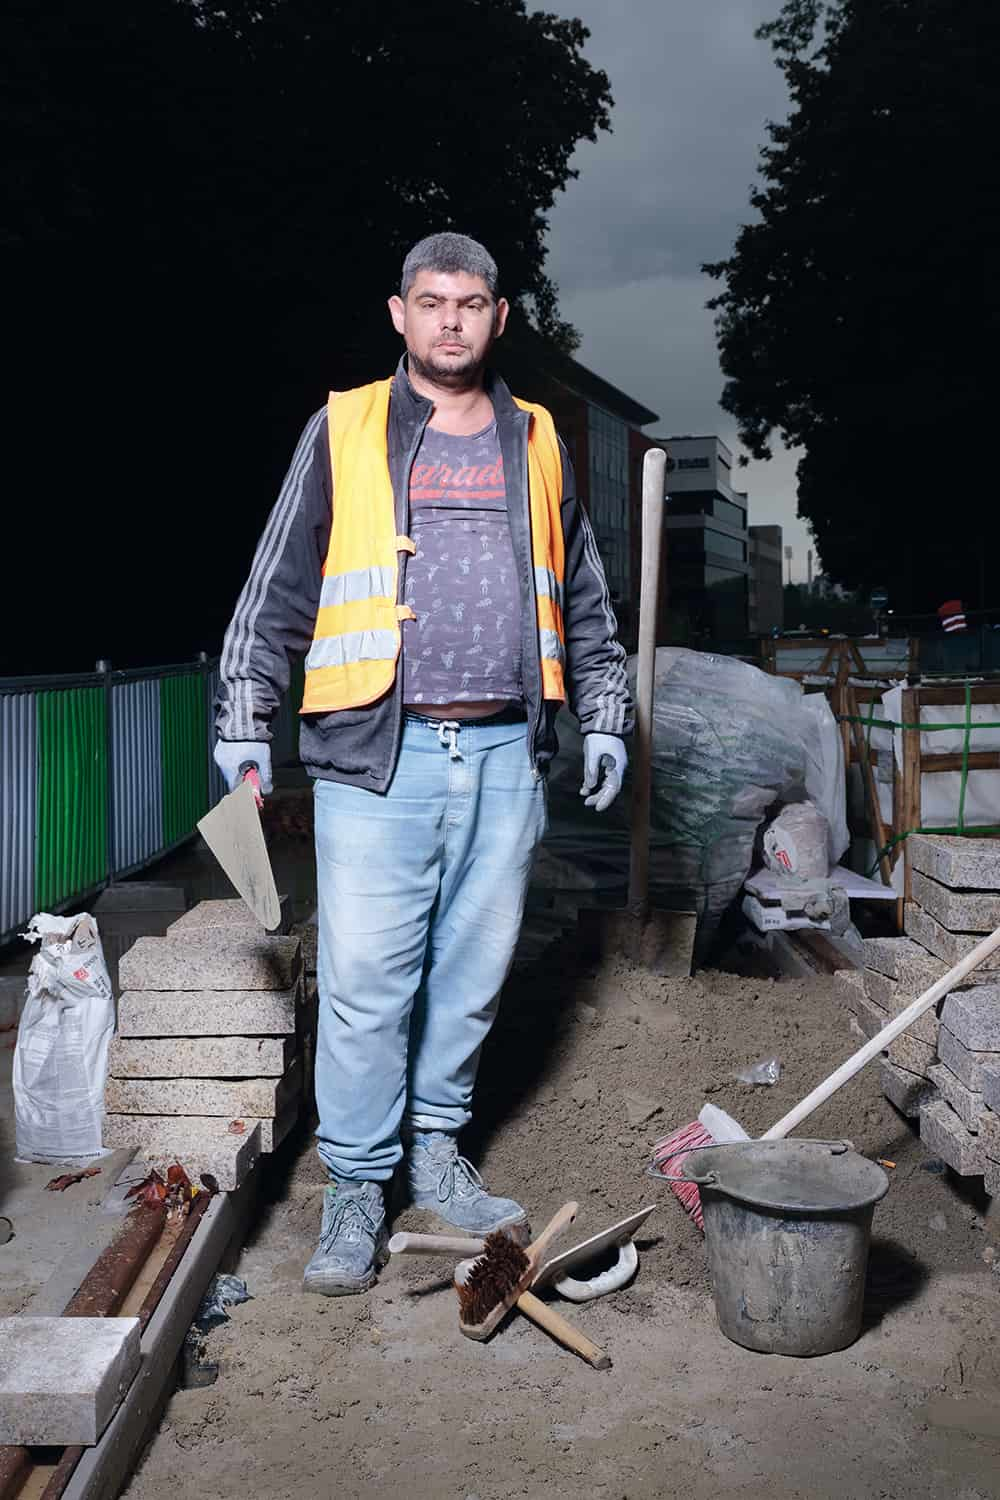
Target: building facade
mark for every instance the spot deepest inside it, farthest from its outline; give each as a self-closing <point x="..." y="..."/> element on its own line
<point x="708" y="540"/>
<point x="767" y="592"/>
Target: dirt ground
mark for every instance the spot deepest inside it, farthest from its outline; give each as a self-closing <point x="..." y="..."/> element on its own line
<point x="380" y="1396"/>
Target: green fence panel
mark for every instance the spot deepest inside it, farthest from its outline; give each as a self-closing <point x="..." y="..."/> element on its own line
<point x="71" y="809"/>
<point x="184" y="742"/>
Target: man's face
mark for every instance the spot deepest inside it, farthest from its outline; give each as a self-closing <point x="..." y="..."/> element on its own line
<point x="449" y="321"/>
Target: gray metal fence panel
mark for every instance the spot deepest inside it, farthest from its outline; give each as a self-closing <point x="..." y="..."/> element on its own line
<point x="137" y="773"/>
<point x="17" y="810"/>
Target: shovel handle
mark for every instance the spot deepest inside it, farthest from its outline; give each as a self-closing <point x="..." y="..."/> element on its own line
<point x="653" y="474"/>
<point x="405" y="1243"/>
<point x="562" y="1329"/>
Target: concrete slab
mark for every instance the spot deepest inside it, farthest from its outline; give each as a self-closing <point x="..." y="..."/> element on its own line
<point x="232" y="916"/>
<point x="192" y="1013"/>
<point x="61" y="1379"/>
<point x="201" y="1145"/>
<point x="966" y="1064"/>
<point x="894" y="998"/>
<point x="243" y="1098"/>
<point x="973" y="1017"/>
<point x="907" y="1091"/>
<point x="943" y="1133"/>
<point x="211" y="963"/>
<point x="200" y="1057"/>
<point x="949" y="946"/>
<point x="140" y="895"/>
<point x="962" y="863"/>
<point x="967" y="1104"/>
<point x="960" y="911"/>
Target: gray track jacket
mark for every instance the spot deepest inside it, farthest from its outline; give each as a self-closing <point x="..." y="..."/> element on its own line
<point x="276" y="612"/>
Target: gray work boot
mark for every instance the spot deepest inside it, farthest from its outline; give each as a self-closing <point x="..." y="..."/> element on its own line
<point x="353" y="1245"/>
<point x="445" y="1184"/>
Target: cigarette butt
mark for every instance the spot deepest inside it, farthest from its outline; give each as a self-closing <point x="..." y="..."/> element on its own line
<point x="883" y="1162"/>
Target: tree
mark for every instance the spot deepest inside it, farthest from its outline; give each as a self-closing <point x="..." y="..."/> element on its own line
<point x="207" y="208"/>
<point x="854" y="317"/>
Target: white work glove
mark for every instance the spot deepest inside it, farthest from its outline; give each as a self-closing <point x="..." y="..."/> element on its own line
<point x="234" y="756"/>
<point x="604" y="762"/>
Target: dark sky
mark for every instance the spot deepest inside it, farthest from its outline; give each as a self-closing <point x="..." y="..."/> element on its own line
<point x="666" y="191"/>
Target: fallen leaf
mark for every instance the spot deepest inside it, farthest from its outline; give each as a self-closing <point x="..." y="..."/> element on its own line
<point x="67" y="1179"/>
<point x="237" y="1127"/>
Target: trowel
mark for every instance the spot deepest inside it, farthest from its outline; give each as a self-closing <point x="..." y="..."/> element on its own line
<point x="233" y="833"/>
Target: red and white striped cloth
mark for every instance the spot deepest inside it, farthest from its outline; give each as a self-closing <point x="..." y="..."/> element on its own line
<point x="952" y="616"/>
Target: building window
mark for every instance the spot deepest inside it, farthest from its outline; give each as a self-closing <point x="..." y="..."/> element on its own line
<point x="725" y="546"/>
<point x="734" y="514"/>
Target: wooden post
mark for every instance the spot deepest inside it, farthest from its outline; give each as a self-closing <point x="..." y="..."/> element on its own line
<point x="910" y="810"/>
<point x="864" y="761"/>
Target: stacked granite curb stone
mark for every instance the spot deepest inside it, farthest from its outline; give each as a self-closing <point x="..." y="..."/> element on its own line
<point x="945" y="1070"/>
<point x="207" y="1065"/>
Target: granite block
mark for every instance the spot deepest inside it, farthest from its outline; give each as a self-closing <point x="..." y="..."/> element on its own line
<point x="961" y="911"/>
<point x="212" y="961"/>
<point x="273" y="1132"/>
<point x="973" y="1017"/>
<point x="967" y="1105"/>
<point x="943" y="1133"/>
<point x="990" y="1074"/>
<point x="894" y="998"/>
<point x="61" y="1379"/>
<point x="232" y="915"/>
<point x="989" y="1135"/>
<point x="871" y="1018"/>
<point x="946" y="945"/>
<point x="200" y="1057"/>
<point x="849" y="985"/>
<point x="991" y="1178"/>
<point x="902" y="958"/>
<point x="909" y="1052"/>
<point x="907" y="1091"/>
<point x="201" y="1145"/>
<point x="191" y="1013"/>
<point x="962" y="863"/>
<point x="966" y="1065"/>
<point x="242" y="1098"/>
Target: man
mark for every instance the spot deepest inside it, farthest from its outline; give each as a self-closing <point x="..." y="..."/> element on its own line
<point x="428" y="551"/>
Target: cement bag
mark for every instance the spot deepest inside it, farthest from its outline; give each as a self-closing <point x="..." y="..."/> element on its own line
<point x="796" y="843"/>
<point x="61" y="1058"/>
<point x="826" y="784"/>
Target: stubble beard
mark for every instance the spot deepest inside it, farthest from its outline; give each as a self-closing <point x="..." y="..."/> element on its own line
<point x="464" y="376"/>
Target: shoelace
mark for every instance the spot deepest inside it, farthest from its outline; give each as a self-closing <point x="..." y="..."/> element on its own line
<point x="450" y="1171"/>
<point x="352" y="1213"/>
<point x="447" y="733"/>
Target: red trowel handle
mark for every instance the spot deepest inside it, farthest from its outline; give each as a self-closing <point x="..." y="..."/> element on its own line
<point x="250" y="771"/>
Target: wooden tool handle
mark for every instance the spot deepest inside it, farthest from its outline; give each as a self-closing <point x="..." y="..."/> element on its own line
<point x="653" y="502"/>
<point x="553" y="1229"/>
<point x="881" y="1040"/>
<point x="434" y="1244"/>
<point x="560" y="1328"/>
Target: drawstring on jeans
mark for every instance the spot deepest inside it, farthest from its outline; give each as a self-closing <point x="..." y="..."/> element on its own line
<point x="449" y="727"/>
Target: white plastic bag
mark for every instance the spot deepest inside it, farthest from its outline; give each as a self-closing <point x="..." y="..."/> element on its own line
<point x="61" y="1058"/>
<point x="796" y="843"/>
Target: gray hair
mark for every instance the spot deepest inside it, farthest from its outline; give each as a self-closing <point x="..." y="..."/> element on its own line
<point x="449" y="253"/>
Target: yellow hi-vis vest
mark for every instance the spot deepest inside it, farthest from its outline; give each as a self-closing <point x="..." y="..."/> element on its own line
<point x="356" y="641"/>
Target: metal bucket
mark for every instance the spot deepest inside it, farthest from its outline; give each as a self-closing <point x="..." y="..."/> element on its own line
<point x="787" y="1227"/>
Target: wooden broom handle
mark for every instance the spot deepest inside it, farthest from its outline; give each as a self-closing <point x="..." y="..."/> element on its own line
<point x="434" y="1244"/>
<point x="561" y="1329"/>
<point x="653" y="471"/>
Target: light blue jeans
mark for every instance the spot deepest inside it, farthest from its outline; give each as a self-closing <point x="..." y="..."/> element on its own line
<point x="421" y="893"/>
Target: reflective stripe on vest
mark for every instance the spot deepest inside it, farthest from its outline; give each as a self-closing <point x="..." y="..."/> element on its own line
<point x="356" y="640"/>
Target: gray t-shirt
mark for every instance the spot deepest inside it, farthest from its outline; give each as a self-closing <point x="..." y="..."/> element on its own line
<point x="461" y="583"/>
